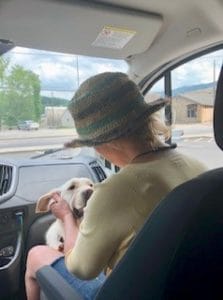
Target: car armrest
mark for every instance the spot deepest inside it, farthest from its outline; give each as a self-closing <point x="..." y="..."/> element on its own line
<point x="54" y="286"/>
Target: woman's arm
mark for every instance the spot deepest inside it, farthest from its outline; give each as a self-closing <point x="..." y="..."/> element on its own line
<point x="71" y="231"/>
<point x="102" y="231"/>
<point x="62" y="211"/>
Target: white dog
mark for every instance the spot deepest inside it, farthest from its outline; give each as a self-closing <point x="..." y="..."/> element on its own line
<point x="76" y="192"/>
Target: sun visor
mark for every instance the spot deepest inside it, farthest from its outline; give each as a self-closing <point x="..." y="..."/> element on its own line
<point x="78" y="27"/>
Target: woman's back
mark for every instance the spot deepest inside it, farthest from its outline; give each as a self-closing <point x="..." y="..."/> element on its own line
<point x="121" y="204"/>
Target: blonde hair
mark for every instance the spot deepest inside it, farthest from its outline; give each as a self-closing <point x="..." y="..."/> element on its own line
<point x="153" y="132"/>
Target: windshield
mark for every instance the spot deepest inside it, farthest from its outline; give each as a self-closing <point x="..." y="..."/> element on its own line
<point x="36" y="87"/>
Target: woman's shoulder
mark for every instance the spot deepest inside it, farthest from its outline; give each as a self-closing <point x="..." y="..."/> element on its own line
<point x="192" y="161"/>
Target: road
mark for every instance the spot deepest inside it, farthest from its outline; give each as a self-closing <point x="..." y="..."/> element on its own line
<point x="197" y="142"/>
<point x="25" y="141"/>
<point x="15" y="140"/>
<point x="33" y="142"/>
<point x="204" y="149"/>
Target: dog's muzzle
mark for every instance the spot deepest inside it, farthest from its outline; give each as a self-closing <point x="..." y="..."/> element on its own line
<point x="78" y="213"/>
<point x="86" y="195"/>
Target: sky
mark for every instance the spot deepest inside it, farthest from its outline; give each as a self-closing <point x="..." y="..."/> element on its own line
<point x="58" y="72"/>
<point x="59" y="77"/>
<point x="201" y="70"/>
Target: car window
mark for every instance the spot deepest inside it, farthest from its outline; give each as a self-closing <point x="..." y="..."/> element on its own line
<point x="193" y="87"/>
<point x="36" y="89"/>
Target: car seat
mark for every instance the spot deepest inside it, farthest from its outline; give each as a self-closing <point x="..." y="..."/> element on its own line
<point x="178" y="254"/>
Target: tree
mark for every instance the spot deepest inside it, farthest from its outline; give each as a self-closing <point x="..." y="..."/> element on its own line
<point x="21" y="97"/>
<point x="38" y="108"/>
<point x="3" y="70"/>
<point x="3" y="67"/>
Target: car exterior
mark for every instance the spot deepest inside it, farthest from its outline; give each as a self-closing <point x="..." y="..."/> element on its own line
<point x="28" y="125"/>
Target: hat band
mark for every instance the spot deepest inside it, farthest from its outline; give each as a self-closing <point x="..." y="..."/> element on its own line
<point x="118" y="131"/>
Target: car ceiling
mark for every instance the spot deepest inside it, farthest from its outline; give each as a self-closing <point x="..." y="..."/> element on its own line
<point x="148" y="33"/>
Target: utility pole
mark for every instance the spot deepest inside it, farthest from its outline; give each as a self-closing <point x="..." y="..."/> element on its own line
<point x="77" y="67"/>
<point x="52" y="110"/>
<point x="214" y="75"/>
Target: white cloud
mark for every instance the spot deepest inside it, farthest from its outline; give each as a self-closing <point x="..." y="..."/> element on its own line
<point x="201" y="70"/>
<point x="58" y="72"/>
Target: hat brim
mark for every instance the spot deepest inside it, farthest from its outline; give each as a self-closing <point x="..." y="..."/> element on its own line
<point x="150" y="108"/>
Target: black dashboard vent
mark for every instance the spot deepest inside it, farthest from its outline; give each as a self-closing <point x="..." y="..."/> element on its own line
<point x="5" y="178"/>
<point x="99" y="172"/>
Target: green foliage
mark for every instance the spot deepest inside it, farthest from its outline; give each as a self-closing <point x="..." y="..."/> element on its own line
<point x="19" y="94"/>
<point x="54" y="101"/>
<point x="3" y="67"/>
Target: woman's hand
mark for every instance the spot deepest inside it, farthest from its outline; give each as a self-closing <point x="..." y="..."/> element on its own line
<point x="62" y="211"/>
<point x="60" y="207"/>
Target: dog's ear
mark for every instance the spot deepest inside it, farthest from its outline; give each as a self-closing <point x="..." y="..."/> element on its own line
<point x="43" y="203"/>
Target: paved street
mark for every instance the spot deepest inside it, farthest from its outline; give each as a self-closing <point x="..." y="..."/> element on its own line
<point x="23" y="134"/>
<point x="204" y="149"/>
<point x="196" y="141"/>
<point x="15" y="141"/>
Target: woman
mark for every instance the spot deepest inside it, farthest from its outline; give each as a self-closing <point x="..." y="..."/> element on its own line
<point x="110" y="114"/>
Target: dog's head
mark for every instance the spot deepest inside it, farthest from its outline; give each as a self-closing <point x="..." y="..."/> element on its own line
<point x="75" y="191"/>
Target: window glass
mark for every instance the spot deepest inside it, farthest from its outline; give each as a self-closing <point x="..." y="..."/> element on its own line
<point x="193" y="90"/>
<point x="156" y="92"/>
<point x="36" y="87"/>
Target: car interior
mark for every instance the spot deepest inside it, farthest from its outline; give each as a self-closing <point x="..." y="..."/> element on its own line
<point x="168" y="261"/>
<point x="178" y="252"/>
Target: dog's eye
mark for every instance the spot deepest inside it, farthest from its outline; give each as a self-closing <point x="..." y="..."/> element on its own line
<point x="72" y="187"/>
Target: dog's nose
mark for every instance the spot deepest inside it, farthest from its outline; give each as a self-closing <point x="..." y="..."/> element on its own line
<point x="87" y="194"/>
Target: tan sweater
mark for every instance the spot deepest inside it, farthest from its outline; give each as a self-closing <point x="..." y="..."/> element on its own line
<point x="119" y="207"/>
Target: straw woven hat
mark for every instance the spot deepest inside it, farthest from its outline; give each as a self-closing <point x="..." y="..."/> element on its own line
<point x="106" y="107"/>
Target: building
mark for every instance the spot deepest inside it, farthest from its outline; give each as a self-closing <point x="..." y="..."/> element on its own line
<point x="67" y="120"/>
<point x="57" y="117"/>
<point x="193" y="107"/>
